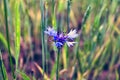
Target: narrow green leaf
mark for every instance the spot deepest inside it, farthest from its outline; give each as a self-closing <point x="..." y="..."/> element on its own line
<point x="52" y="75"/>
<point x="7" y="35"/>
<point x="24" y="76"/>
<point x="2" y="38"/>
<point x="42" y="33"/>
<point x="86" y="15"/>
<point x="3" y="69"/>
<point x="4" y="41"/>
<point x="54" y="23"/>
<point x="17" y="31"/>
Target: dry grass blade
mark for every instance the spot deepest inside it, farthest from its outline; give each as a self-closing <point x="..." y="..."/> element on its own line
<point x="41" y="71"/>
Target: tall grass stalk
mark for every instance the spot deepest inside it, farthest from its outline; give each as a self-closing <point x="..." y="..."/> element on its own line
<point x="68" y="28"/>
<point x="57" y="60"/>
<point x="17" y="31"/>
<point x="7" y="35"/>
<point x="46" y="49"/>
<point x="42" y="33"/>
<point x="53" y="15"/>
<point x="68" y="14"/>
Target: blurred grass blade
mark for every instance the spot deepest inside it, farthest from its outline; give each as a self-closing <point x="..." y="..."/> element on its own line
<point x="23" y="75"/>
<point x="117" y="74"/>
<point x="68" y="14"/>
<point x="7" y="35"/>
<point x="61" y="5"/>
<point x="2" y="38"/>
<point x="54" y="23"/>
<point x="3" y="69"/>
<point x="47" y="55"/>
<point x="99" y="52"/>
<point x="33" y="78"/>
<point x="86" y="15"/>
<point x="96" y="23"/>
<point x="68" y="29"/>
<point x="64" y="56"/>
<point x="41" y="71"/>
<point x="17" y="31"/>
<point x="53" y="71"/>
<point x="42" y="33"/>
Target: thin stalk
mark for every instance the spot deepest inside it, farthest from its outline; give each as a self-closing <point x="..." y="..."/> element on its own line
<point x="42" y="34"/>
<point x="53" y="15"/>
<point x="17" y="32"/>
<point x="68" y="14"/>
<point x="57" y="70"/>
<point x="7" y="35"/>
<point x="46" y="49"/>
<point x="68" y="26"/>
<point x="1" y="68"/>
<point x="53" y="4"/>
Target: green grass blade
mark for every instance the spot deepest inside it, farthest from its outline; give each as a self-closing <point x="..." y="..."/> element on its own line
<point x="7" y="35"/>
<point x="52" y="75"/>
<point x="4" y="41"/>
<point x="86" y="15"/>
<point x="17" y="31"/>
<point x="24" y="76"/>
<point x="117" y="74"/>
<point x="2" y="38"/>
<point x="3" y="69"/>
<point x="47" y="55"/>
<point x="42" y="33"/>
<point x="68" y="14"/>
<point x="54" y="23"/>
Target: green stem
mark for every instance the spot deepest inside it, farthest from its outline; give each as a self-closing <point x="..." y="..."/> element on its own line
<point x="68" y="27"/>
<point x="2" y="68"/>
<point x="42" y="34"/>
<point x="7" y="35"/>
<point x="53" y="5"/>
<point x="57" y="70"/>
<point x="68" y="14"/>
<point x="46" y="49"/>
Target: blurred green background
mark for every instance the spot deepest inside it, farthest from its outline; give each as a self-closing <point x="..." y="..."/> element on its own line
<point x="96" y="56"/>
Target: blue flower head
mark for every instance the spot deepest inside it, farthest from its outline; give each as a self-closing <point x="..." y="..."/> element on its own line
<point x="61" y="38"/>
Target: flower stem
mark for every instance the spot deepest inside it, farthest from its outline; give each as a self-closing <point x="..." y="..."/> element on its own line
<point x="57" y="70"/>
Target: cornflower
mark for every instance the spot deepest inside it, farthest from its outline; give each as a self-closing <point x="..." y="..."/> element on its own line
<point x="60" y="38"/>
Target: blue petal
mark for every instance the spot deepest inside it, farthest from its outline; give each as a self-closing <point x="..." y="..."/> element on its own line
<point x="58" y="44"/>
<point x="51" y="32"/>
<point x="55" y="38"/>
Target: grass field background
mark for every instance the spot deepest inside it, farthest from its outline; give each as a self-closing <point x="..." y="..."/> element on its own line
<point x="26" y="53"/>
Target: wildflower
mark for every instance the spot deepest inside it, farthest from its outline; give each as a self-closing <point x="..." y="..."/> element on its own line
<point x="60" y="38"/>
